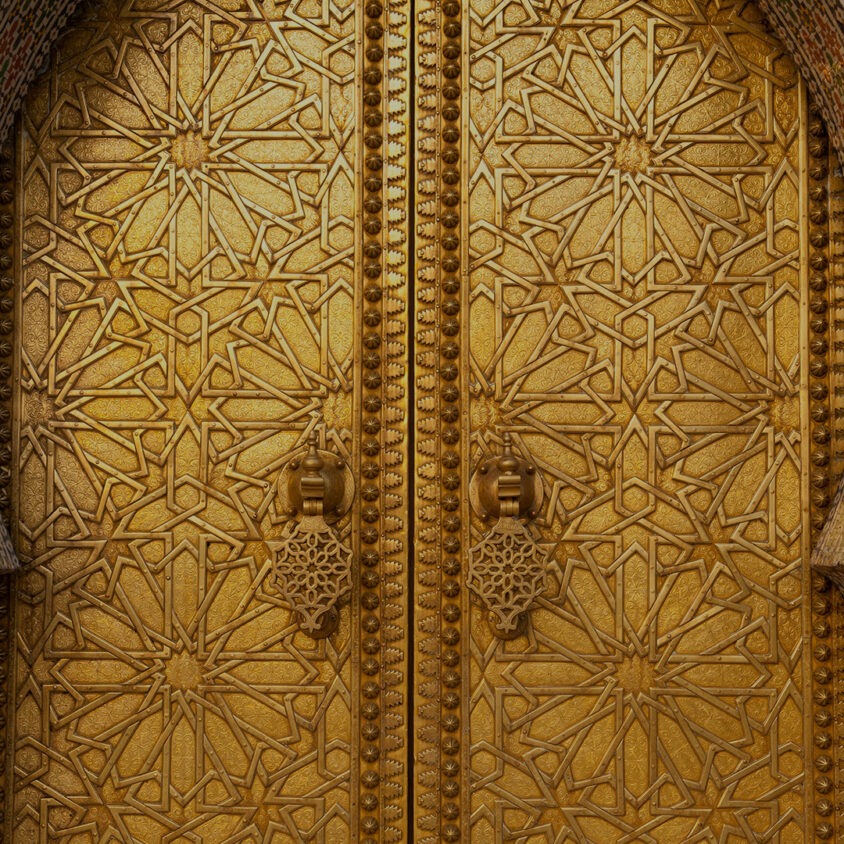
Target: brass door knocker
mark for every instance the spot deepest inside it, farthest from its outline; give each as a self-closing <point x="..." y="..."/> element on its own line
<point x="312" y="567"/>
<point x="507" y="567"/>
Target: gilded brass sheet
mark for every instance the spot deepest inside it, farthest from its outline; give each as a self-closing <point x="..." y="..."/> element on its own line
<point x="633" y="192"/>
<point x="631" y="200"/>
<point x="189" y="179"/>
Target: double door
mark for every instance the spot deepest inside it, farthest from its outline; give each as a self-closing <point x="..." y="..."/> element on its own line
<point x="420" y="422"/>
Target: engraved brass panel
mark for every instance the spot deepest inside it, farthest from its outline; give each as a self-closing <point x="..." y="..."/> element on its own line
<point x="192" y="287"/>
<point x="636" y="320"/>
<point x="622" y="226"/>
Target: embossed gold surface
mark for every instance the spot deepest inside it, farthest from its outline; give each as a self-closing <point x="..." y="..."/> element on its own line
<point x="190" y="295"/>
<point x="617" y="263"/>
<point x="633" y="193"/>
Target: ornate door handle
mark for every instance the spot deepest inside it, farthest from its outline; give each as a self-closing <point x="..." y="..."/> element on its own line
<point x="507" y="567"/>
<point x="312" y="565"/>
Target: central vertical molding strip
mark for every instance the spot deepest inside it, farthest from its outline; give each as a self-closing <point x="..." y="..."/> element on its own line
<point x="439" y="468"/>
<point x="383" y="405"/>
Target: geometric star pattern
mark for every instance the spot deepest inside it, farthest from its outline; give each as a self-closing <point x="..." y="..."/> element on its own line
<point x="188" y="270"/>
<point x="634" y="233"/>
<point x="634" y="191"/>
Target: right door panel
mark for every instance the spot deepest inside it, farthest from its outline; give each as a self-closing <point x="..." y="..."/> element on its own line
<point x="613" y="288"/>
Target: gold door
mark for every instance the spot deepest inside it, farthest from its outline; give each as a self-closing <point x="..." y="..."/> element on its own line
<point x="207" y="288"/>
<point x="539" y="573"/>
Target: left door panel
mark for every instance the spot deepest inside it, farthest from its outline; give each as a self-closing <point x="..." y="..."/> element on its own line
<point x="204" y="286"/>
